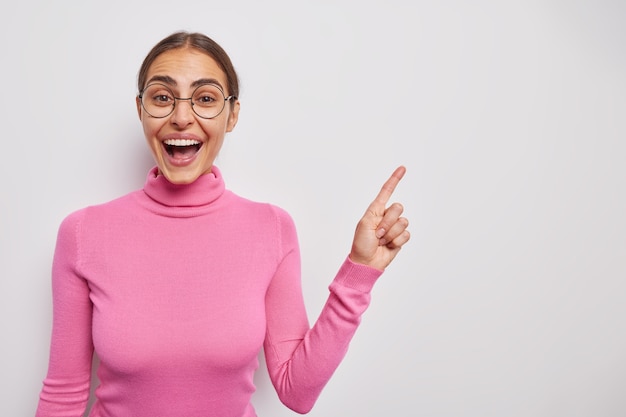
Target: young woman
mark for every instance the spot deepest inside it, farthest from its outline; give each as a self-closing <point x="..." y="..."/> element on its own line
<point x="178" y="286"/>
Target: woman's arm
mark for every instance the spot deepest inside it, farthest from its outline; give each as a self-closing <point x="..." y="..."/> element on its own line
<point x="66" y="388"/>
<point x="300" y="359"/>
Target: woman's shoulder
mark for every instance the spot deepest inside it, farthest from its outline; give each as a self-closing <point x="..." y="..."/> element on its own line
<point x="262" y="215"/>
<point x="103" y="209"/>
<point x="260" y="208"/>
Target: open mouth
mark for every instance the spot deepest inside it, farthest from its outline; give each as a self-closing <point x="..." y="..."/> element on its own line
<point x="182" y="148"/>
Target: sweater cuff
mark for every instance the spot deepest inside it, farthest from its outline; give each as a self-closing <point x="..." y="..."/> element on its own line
<point x="357" y="276"/>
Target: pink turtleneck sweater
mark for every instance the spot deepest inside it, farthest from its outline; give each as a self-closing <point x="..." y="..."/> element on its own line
<point x="177" y="288"/>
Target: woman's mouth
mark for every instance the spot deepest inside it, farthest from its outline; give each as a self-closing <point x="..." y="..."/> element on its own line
<point x="182" y="149"/>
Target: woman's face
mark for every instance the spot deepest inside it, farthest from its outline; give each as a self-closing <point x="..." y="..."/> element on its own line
<point x="183" y="144"/>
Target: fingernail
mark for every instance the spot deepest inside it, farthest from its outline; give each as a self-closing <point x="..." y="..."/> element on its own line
<point x="380" y="233"/>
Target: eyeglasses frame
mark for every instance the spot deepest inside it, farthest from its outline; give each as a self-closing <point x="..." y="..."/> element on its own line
<point x="140" y="95"/>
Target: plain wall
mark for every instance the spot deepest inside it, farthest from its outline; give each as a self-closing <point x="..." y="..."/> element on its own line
<point x="510" y="119"/>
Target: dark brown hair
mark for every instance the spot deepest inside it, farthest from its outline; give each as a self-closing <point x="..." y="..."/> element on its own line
<point x="197" y="41"/>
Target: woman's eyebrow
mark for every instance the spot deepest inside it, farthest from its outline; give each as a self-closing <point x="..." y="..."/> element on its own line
<point x="166" y="79"/>
<point x="203" y="81"/>
<point x="163" y="78"/>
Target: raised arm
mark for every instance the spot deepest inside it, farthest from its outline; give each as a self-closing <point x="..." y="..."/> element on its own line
<point x="300" y="359"/>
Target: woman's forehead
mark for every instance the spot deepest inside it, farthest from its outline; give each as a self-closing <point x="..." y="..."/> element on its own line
<point x="186" y="68"/>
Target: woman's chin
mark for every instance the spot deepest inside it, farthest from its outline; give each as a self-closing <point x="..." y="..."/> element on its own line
<point x="181" y="176"/>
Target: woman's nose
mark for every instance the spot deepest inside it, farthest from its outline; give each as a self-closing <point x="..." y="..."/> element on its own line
<point x="183" y="114"/>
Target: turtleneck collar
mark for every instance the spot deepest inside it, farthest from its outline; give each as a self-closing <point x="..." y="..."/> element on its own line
<point x="202" y="192"/>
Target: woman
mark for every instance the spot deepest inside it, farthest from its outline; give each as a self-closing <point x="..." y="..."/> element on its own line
<point x="178" y="286"/>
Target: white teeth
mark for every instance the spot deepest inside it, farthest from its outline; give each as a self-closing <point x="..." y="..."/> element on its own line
<point x="181" y="142"/>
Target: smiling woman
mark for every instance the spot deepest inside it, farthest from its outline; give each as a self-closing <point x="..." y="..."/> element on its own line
<point x="178" y="286"/>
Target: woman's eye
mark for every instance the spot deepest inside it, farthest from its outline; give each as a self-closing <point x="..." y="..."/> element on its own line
<point x="205" y="99"/>
<point x="207" y="95"/>
<point x="162" y="98"/>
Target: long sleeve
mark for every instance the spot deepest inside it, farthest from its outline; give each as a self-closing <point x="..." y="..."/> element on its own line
<point x="300" y="359"/>
<point x="66" y="388"/>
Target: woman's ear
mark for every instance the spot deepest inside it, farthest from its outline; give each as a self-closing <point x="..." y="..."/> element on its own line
<point x="138" y="102"/>
<point x="233" y="117"/>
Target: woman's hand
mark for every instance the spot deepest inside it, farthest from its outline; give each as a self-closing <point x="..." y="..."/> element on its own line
<point x="381" y="232"/>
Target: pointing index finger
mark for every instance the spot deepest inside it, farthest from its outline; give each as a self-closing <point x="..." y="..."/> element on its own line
<point x="389" y="186"/>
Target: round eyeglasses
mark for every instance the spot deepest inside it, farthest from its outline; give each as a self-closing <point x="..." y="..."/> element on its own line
<point x="207" y="100"/>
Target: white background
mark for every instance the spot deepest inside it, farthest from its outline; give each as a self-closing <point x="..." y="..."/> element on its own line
<point x="509" y="116"/>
